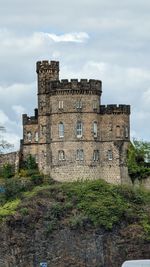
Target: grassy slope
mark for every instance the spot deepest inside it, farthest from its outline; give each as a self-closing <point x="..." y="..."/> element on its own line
<point x="80" y="204"/>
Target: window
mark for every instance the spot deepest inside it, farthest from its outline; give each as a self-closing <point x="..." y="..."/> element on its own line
<point x="79" y="104"/>
<point x="36" y="158"/>
<point x="94" y="104"/>
<point x="61" y="129"/>
<point x="43" y="129"/>
<point x="95" y="129"/>
<point x="61" y="104"/>
<point x="61" y="155"/>
<point x="29" y="136"/>
<point x="80" y="155"/>
<point x="110" y="156"/>
<point x="96" y="155"/>
<point x="79" y="129"/>
<point x="36" y="137"/>
<point x="118" y="133"/>
<point x="126" y="132"/>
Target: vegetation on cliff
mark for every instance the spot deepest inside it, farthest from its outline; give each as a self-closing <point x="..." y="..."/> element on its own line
<point x="78" y="204"/>
<point x="139" y="159"/>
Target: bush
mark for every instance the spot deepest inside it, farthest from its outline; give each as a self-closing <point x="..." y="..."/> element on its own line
<point x="8" y="171"/>
<point x="23" y="173"/>
<point x="13" y="188"/>
<point x="37" y="179"/>
<point x="24" y="211"/>
<point x="30" y="163"/>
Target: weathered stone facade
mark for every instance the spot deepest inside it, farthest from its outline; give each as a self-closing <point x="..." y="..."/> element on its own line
<point x="72" y="135"/>
<point x="11" y="158"/>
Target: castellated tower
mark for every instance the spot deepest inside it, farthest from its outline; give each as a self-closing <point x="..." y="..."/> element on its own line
<point x="72" y="136"/>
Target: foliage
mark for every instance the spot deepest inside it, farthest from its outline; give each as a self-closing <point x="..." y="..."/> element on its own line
<point x="139" y="160"/>
<point x="37" y="179"/>
<point x="23" y="173"/>
<point x="13" y="188"/>
<point x="7" y="170"/>
<point x="81" y="204"/>
<point x="24" y="211"/>
<point x="30" y="163"/>
<point x="9" y="208"/>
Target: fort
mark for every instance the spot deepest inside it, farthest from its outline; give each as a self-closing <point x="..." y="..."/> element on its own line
<point x="71" y="135"/>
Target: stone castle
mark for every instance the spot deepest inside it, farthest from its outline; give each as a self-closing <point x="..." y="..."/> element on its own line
<point x="71" y="135"/>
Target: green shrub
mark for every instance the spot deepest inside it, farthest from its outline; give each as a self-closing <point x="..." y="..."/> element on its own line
<point x="37" y="179"/>
<point x="30" y="163"/>
<point x="23" y="173"/>
<point x="9" y="208"/>
<point x="13" y="188"/>
<point x="24" y="211"/>
<point x="77" y="221"/>
<point x="7" y="171"/>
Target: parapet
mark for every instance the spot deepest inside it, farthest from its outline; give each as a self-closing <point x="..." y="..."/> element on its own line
<point x="74" y="85"/>
<point x="30" y="120"/>
<point x="46" y="65"/>
<point x="115" y="109"/>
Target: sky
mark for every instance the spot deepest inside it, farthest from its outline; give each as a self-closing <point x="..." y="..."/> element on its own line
<point x="106" y="40"/>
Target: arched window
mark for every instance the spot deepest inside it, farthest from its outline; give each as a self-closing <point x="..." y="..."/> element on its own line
<point x="79" y="129"/>
<point x="110" y="155"/>
<point x="95" y="129"/>
<point x="61" y="129"/>
<point x="36" y="137"/>
<point x="80" y="154"/>
<point x="61" y="155"/>
<point x="29" y="136"/>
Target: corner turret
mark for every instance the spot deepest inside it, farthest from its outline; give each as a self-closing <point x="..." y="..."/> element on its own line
<point x="46" y="71"/>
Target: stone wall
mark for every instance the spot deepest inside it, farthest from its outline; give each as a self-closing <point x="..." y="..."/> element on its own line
<point x="11" y="158"/>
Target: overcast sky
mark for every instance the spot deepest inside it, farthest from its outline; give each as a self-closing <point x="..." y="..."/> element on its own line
<point x="101" y="39"/>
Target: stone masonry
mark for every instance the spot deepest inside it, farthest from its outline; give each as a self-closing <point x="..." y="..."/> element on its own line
<point x="71" y="135"/>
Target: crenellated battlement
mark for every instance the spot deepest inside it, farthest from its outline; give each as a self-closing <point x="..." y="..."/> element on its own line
<point x="30" y="120"/>
<point x="46" y="66"/>
<point x="74" y="85"/>
<point x="115" y="109"/>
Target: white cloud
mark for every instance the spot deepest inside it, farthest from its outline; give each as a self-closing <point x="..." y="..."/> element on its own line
<point x="3" y="118"/>
<point x="106" y="40"/>
<point x="77" y="37"/>
<point x="19" y="110"/>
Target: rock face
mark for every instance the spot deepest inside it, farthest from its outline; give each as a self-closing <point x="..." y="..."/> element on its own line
<point x="27" y="242"/>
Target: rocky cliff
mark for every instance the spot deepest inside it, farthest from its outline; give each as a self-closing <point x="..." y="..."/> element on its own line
<point x="49" y="225"/>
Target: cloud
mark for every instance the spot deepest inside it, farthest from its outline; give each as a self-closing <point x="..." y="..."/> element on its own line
<point x="106" y="40"/>
<point x="3" y="118"/>
<point x="77" y="37"/>
<point x="19" y="110"/>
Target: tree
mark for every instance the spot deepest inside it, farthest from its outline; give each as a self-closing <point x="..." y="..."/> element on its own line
<point x="4" y="145"/>
<point x="139" y="159"/>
